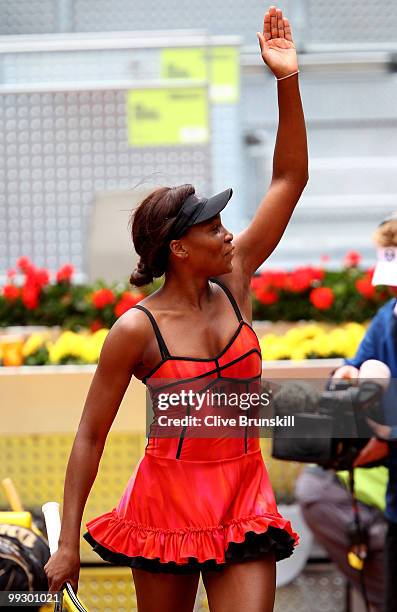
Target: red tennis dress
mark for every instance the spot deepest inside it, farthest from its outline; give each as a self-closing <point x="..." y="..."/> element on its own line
<point x="196" y="503"/>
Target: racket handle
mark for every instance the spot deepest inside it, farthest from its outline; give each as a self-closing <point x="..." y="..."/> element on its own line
<point x="53" y="524"/>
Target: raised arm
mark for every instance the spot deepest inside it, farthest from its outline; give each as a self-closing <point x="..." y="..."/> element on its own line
<point x="122" y="350"/>
<point x="290" y="161"/>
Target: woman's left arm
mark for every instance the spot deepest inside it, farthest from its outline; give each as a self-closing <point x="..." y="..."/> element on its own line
<point x="290" y="160"/>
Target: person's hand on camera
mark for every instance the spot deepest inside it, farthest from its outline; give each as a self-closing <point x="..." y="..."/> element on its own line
<point x="277" y="47"/>
<point x="382" y="431"/>
<point x="346" y="372"/>
<point x="63" y="566"/>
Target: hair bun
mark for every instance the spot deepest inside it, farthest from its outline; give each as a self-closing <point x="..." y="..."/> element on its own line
<point x="142" y="275"/>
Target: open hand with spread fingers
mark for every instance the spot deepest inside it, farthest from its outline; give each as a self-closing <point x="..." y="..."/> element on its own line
<point x="277" y="47"/>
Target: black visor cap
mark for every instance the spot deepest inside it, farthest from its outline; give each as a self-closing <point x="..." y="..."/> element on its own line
<point x="196" y="210"/>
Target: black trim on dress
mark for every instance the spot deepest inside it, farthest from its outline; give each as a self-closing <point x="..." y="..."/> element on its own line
<point x="255" y="546"/>
<point x="161" y="342"/>
<point x="231" y="297"/>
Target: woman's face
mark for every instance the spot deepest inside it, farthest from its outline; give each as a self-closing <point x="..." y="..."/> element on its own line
<point x="209" y="247"/>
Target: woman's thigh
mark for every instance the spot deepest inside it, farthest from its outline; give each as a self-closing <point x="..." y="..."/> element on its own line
<point x="248" y="586"/>
<point x="165" y="592"/>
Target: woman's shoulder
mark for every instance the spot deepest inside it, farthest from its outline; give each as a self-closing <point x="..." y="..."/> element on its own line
<point x="125" y="343"/>
<point x="132" y="325"/>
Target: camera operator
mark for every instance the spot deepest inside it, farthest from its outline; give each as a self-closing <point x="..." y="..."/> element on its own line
<point x="380" y="343"/>
<point x="326" y="506"/>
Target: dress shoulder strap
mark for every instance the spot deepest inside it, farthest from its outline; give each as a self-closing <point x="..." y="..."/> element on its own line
<point x="162" y="345"/>
<point x="231" y="297"/>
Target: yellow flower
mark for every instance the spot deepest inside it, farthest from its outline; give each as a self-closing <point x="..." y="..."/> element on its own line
<point x="302" y="351"/>
<point x="322" y="346"/>
<point x="99" y="336"/>
<point x="304" y="332"/>
<point x="298" y="354"/>
<point x="33" y="343"/>
<point x="274" y="348"/>
<point x="93" y="346"/>
<point x="312" y="340"/>
<point x="83" y="345"/>
<point x="68" y="343"/>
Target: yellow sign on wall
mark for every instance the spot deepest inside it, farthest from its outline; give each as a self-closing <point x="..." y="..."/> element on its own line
<point x="184" y="63"/>
<point x="225" y="74"/>
<point x="167" y="116"/>
<point x="222" y="63"/>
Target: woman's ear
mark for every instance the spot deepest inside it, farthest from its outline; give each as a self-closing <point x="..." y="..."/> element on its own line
<point x="177" y="249"/>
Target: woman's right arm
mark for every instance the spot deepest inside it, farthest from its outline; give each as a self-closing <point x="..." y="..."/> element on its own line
<point x="121" y="352"/>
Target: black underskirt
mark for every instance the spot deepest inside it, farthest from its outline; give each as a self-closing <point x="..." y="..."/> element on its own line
<point x="255" y="546"/>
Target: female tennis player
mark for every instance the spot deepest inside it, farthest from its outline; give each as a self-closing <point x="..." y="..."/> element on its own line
<point x="192" y="504"/>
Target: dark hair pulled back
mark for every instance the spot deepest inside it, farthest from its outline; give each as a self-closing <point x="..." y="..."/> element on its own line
<point x="151" y="223"/>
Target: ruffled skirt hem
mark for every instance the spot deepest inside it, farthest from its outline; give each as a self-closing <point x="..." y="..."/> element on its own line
<point x="122" y="542"/>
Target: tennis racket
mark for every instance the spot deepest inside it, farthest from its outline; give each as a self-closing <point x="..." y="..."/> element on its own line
<point x="53" y="525"/>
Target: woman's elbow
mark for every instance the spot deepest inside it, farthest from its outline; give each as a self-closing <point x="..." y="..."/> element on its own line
<point x="302" y="179"/>
<point x="304" y="176"/>
<point x="91" y="436"/>
<point x="298" y="176"/>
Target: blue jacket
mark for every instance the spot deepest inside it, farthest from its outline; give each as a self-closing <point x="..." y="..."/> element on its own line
<point x="380" y="342"/>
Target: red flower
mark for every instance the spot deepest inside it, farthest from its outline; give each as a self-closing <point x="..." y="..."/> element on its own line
<point x="65" y="273"/>
<point x="274" y="279"/>
<point x="11" y="292"/>
<point x="322" y="298"/>
<point x="278" y="279"/>
<point x="365" y="287"/>
<point x="351" y="259"/>
<point x="267" y="296"/>
<point x="30" y="296"/>
<point x="318" y="274"/>
<point x="24" y="264"/>
<point x="127" y="301"/>
<point x="95" y="325"/>
<point x="324" y="258"/>
<point x="256" y="282"/>
<point x="102" y="298"/>
<point x="370" y="273"/>
<point x="301" y="279"/>
<point x="11" y="273"/>
<point x="42" y="277"/>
